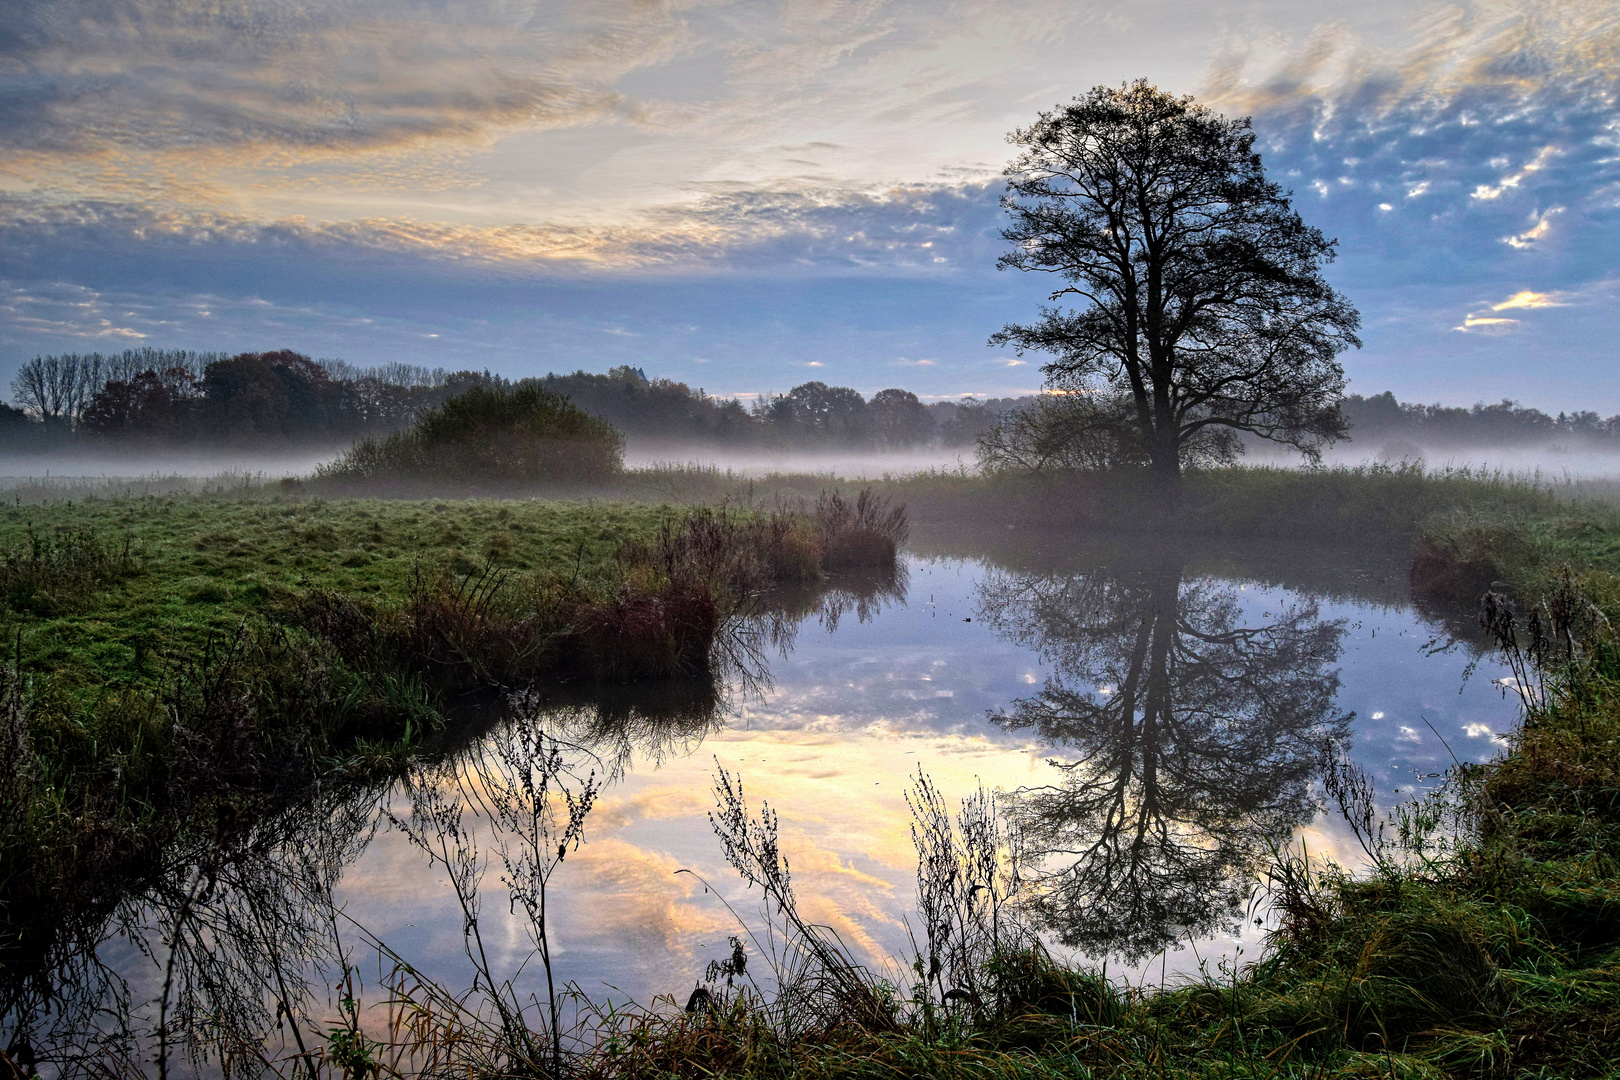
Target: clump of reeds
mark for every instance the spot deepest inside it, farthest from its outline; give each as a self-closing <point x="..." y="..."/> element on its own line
<point x="866" y="532"/>
<point x="660" y="617"/>
<point x="1461" y="560"/>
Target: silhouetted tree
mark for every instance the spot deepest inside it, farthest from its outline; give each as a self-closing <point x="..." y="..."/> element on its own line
<point x="149" y="405"/>
<point x="1192" y="742"/>
<point x="1505" y="423"/>
<point x="825" y="413"/>
<point x="54" y="388"/>
<point x="963" y="422"/>
<point x="1200" y="293"/>
<point x="279" y="394"/>
<point x="655" y="408"/>
<point x="899" y="419"/>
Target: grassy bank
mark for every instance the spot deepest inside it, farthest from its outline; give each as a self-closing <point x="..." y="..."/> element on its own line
<point x="186" y="665"/>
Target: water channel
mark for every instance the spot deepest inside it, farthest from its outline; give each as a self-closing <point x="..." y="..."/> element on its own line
<point x="1155" y="712"/>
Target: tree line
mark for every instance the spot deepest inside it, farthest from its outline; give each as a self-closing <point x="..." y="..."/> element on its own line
<point x="1506" y="423"/>
<point x="177" y="397"/>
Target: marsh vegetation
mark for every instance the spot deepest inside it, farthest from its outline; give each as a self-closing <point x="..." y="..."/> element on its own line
<point x="1215" y="717"/>
<point x="232" y="718"/>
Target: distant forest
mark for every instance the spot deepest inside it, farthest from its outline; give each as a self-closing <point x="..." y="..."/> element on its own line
<point x="1381" y="418"/>
<point x="176" y="397"/>
<point x="251" y="399"/>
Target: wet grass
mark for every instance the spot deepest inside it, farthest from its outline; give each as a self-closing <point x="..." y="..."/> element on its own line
<point x="199" y="566"/>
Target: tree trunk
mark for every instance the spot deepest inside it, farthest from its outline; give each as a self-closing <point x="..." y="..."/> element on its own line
<point x="1165" y="455"/>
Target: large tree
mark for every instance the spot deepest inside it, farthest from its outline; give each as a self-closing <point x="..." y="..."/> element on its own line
<point x="1193" y="297"/>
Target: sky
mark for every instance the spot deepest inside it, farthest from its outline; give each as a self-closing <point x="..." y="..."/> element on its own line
<point x="747" y="194"/>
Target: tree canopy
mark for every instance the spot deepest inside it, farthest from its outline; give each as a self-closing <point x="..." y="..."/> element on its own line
<point x="1195" y="309"/>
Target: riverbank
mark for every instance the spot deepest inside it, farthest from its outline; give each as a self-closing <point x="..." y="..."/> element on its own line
<point x="187" y="665"/>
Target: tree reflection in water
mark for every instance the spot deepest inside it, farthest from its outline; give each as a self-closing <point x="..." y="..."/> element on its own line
<point x="1190" y="741"/>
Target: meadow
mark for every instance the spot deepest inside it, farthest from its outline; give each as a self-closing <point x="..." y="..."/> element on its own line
<point x="184" y="663"/>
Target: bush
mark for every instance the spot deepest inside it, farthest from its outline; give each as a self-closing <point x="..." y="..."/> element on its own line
<point x="489" y="435"/>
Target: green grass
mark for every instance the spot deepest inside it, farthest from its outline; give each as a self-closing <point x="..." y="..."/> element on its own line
<point x="204" y="564"/>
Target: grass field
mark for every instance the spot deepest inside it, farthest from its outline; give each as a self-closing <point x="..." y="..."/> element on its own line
<point x="199" y="566"/>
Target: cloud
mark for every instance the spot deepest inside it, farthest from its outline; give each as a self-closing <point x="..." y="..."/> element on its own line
<point x="1536" y="232"/>
<point x="84" y="76"/>
<point x="1494" y="114"/>
<point x="889" y="229"/>
<point x="1494" y="191"/>
<point x="1487" y="324"/>
<point x="1525" y="298"/>
<point x="61" y="310"/>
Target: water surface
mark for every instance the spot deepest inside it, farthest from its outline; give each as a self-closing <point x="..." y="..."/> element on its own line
<point x="1154" y="717"/>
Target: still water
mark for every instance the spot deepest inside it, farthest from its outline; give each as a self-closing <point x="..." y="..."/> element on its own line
<point x="1154" y="715"/>
<point x="1195" y="706"/>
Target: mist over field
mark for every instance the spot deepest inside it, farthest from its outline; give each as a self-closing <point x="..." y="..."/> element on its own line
<point x="199" y="463"/>
<point x="852" y="463"/>
<point x="1550" y="464"/>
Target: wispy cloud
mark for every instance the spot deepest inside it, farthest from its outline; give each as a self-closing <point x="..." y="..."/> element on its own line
<point x="82" y="77"/>
<point x="1487" y="324"/>
<point x="1538" y="231"/>
<point x="67" y="311"/>
<point x="1507" y="183"/>
<point x="1527" y="298"/>
<point x="1484" y="319"/>
<point x="893" y="229"/>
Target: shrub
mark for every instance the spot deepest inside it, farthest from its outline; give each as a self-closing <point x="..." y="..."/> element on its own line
<point x="489" y="435"/>
<point x="51" y="574"/>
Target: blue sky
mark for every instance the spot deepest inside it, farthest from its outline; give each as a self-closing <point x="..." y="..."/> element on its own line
<point x="745" y="194"/>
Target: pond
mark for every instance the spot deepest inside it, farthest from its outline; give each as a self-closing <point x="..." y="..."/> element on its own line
<point x="1153" y="718"/>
